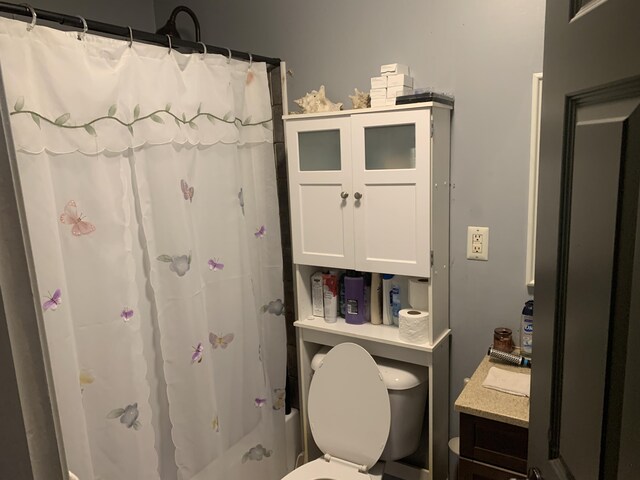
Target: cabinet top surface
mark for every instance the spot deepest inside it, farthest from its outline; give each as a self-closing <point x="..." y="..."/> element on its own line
<point x="343" y="113"/>
<point x="387" y="334"/>
<point x="487" y="403"/>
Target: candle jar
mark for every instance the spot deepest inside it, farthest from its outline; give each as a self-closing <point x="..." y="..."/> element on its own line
<point x="503" y="340"/>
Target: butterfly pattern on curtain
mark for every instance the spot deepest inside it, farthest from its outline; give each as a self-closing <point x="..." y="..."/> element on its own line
<point x="70" y="216"/>
<point x="179" y="264"/>
<point x="108" y="168"/>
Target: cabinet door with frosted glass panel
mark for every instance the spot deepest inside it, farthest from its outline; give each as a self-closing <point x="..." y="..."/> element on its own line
<point x="391" y="183"/>
<point x="319" y="153"/>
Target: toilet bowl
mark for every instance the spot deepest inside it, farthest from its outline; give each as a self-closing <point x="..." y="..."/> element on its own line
<point x="350" y="411"/>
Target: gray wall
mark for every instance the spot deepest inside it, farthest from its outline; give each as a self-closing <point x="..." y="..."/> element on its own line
<point x="484" y="52"/>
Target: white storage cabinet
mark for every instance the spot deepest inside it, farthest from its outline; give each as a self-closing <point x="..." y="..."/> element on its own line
<point x="369" y="191"/>
<point x="360" y="188"/>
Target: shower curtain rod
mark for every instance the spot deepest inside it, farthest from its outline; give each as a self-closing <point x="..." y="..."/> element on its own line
<point x="139" y="35"/>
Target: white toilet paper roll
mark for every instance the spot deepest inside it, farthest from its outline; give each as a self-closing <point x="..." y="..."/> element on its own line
<point x="415" y="326"/>
<point x="419" y="293"/>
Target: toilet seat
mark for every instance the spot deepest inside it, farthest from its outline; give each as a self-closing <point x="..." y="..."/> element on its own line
<point x="320" y="469"/>
<point x="348" y="407"/>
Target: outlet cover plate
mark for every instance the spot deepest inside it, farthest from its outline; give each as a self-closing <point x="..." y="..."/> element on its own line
<point x="478" y="243"/>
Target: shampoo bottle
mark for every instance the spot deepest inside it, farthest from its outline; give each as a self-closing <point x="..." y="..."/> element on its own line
<point x="354" y="298"/>
<point x="330" y="294"/>
<point x="341" y="296"/>
<point x="317" y="295"/>
<point x="387" y="315"/>
<point x="396" y="304"/>
<point x="376" y="297"/>
<point x="367" y="297"/>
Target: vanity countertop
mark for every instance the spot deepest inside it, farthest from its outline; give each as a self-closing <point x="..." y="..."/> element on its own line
<point x="492" y="404"/>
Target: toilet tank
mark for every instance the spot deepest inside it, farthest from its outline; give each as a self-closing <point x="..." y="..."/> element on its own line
<point x="407" y="385"/>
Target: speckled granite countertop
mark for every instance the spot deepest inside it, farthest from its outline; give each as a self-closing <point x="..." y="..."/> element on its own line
<point x="487" y="403"/>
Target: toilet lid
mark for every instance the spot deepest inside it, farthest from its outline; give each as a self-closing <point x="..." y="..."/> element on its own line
<point x="349" y="410"/>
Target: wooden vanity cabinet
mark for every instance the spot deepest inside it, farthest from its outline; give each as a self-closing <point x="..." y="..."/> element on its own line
<point x="494" y="433"/>
<point x="491" y="450"/>
<point x="468" y="470"/>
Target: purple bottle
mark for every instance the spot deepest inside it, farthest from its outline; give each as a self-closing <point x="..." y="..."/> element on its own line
<point x="354" y="311"/>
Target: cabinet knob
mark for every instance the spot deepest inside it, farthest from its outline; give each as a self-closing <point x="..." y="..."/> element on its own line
<point x="344" y="195"/>
<point x="357" y="195"/>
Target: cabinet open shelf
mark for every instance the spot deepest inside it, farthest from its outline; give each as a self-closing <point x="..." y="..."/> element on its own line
<point x="388" y="334"/>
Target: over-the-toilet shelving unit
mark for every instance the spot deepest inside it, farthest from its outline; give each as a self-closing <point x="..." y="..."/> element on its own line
<point x="369" y="191"/>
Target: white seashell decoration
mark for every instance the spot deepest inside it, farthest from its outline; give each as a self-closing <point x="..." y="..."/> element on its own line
<point x="360" y="99"/>
<point x="317" y="101"/>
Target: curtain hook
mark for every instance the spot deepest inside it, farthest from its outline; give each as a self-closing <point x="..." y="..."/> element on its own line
<point x="229" y="57"/>
<point x="34" y="16"/>
<point x="130" y="37"/>
<point x="169" y="37"/>
<point x="84" y="28"/>
<point x="204" y="48"/>
<point x="250" y="60"/>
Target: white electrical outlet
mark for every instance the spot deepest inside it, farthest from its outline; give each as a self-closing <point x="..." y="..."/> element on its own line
<point x="478" y="243"/>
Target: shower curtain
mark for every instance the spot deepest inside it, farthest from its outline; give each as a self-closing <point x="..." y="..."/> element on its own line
<point x="149" y="185"/>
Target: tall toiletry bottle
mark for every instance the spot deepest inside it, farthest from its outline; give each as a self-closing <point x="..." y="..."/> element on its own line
<point x="526" y="329"/>
<point x="330" y="293"/>
<point x="354" y="298"/>
<point x="317" y="295"/>
<point x="341" y="303"/>
<point x="387" y="315"/>
<point x="396" y="304"/>
<point x="367" y="297"/>
<point x="376" y="294"/>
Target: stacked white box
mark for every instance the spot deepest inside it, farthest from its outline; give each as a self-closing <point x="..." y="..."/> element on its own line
<point x="394" y="81"/>
<point x="394" y="69"/>
<point x="399" y="80"/>
<point x="375" y="93"/>
<point x="379" y="82"/>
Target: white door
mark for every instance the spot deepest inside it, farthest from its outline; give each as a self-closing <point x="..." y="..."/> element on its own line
<point x="319" y="153"/>
<point x="391" y="179"/>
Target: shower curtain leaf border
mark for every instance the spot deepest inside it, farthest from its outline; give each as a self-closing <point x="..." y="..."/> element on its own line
<point x="19" y="104"/>
<point x="62" y="120"/>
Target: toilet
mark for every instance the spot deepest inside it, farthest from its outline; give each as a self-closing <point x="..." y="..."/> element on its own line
<point x="361" y="410"/>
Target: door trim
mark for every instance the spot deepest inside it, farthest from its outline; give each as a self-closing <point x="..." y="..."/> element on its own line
<point x="624" y="90"/>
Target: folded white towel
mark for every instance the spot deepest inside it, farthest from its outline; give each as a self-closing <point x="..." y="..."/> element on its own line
<point x="508" y="382"/>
